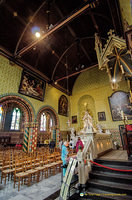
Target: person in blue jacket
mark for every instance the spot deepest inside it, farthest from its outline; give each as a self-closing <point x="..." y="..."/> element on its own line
<point x="64" y="153"/>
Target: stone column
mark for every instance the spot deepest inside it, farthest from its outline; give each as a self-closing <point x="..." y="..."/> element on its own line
<point x="26" y="137"/>
<point x="30" y="137"/>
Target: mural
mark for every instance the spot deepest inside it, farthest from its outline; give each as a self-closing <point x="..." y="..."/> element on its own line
<point x="63" y="106"/>
<point x="119" y="101"/>
<point x="32" y="86"/>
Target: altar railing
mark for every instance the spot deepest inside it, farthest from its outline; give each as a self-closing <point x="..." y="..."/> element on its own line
<point x="95" y="144"/>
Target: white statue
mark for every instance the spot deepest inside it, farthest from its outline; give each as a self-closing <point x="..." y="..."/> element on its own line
<point x="73" y="137"/>
<point x="87" y="122"/>
<point x="107" y="131"/>
<point x="99" y="128"/>
<point x="72" y="131"/>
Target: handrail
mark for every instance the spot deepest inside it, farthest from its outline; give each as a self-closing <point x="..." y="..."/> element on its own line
<point x="83" y="158"/>
<point x="120" y="170"/>
<point x="95" y="144"/>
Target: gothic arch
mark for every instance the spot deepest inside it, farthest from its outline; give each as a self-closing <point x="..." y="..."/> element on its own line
<point x="25" y="105"/>
<point x="50" y="110"/>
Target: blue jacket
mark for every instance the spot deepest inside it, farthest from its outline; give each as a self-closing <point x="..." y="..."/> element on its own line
<point x="64" y="152"/>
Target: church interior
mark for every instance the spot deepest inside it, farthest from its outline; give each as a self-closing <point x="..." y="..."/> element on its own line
<point x="66" y="75"/>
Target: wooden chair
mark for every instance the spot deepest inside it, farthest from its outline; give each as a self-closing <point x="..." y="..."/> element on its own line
<point x="19" y="176"/>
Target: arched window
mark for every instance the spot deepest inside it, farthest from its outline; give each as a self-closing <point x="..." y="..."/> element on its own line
<point x="15" y="120"/>
<point x="46" y="121"/>
<point x="1" y="112"/>
<point x="43" y="122"/>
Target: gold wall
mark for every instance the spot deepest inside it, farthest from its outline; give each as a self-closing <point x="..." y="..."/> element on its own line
<point x="92" y="89"/>
<point x="126" y="11"/>
<point x="10" y="77"/>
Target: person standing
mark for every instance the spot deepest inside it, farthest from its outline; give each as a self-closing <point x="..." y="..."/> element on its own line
<point x="78" y="144"/>
<point x="60" y="144"/>
<point x="52" y="146"/>
<point x="64" y="153"/>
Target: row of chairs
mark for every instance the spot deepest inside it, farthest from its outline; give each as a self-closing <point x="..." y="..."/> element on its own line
<point x="29" y="167"/>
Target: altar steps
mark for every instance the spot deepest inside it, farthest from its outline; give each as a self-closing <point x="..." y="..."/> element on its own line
<point x="106" y="184"/>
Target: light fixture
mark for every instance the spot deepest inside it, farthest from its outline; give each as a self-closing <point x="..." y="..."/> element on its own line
<point x="34" y="48"/>
<point x="55" y="82"/>
<point x="36" y="31"/>
<point x="114" y="80"/>
<point x="37" y="34"/>
<point x="15" y="14"/>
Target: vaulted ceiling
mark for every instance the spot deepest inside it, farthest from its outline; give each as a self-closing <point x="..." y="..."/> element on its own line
<point x="66" y="45"/>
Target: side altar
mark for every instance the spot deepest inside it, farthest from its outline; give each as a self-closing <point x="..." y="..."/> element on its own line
<point x="96" y="143"/>
<point x="102" y="142"/>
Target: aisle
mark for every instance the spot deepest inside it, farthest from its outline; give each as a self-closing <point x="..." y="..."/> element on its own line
<point x="37" y="191"/>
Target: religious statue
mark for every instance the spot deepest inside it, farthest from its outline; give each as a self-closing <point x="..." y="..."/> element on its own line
<point x="99" y="128"/>
<point x="87" y="123"/>
<point x="73" y="137"/>
<point x="72" y="131"/>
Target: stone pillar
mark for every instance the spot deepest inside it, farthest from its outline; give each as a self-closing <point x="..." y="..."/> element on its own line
<point x="26" y="138"/>
<point x="57" y="137"/>
<point x="30" y="137"/>
<point x="34" y="136"/>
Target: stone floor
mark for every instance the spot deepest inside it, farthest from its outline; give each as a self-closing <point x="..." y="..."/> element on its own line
<point x="45" y="188"/>
<point x="37" y="191"/>
<point x="118" y="155"/>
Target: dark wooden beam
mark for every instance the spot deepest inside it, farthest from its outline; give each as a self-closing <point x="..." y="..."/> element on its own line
<point x="55" y="28"/>
<point x="72" y="32"/>
<point x="94" y="21"/>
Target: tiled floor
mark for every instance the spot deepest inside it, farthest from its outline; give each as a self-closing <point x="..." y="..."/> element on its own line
<point x="37" y="191"/>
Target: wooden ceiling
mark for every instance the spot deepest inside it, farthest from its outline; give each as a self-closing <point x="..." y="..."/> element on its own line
<point x="67" y="44"/>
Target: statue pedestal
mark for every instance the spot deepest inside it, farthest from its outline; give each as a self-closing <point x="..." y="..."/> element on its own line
<point x="86" y="130"/>
<point x="85" y="137"/>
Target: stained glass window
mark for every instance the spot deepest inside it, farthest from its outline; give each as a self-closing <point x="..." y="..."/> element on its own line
<point x="46" y="122"/>
<point x="15" y="121"/>
<point x="51" y="122"/>
<point x="43" y="122"/>
<point x="1" y="110"/>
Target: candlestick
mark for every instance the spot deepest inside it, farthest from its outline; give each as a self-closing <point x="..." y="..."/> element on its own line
<point x="122" y="114"/>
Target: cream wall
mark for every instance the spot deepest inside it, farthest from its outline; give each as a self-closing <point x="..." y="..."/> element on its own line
<point x="95" y="83"/>
<point x="10" y="77"/>
<point x="126" y="10"/>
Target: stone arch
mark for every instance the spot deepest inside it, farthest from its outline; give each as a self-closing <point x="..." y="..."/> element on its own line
<point x="25" y="105"/>
<point x="86" y="102"/>
<point x="52" y="111"/>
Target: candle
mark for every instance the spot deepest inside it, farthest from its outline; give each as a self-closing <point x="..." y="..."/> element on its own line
<point x="122" y="114"/>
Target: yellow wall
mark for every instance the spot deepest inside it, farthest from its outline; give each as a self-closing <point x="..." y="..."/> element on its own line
<point x="126" y="10"/>
<point x="94" y="83"/>
<point x="10" y="77"/>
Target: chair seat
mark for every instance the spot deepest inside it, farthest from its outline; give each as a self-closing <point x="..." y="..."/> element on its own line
<point x="31" y="171"/>
<point x="8" y="171"/>
<point x="40" y="168"/>
<point x="59" y="162"/>
<point x="21" y="174"/>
